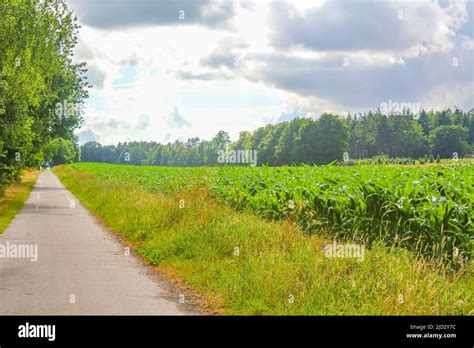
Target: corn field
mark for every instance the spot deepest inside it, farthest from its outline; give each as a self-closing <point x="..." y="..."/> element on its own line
<point x="429" y="211"/>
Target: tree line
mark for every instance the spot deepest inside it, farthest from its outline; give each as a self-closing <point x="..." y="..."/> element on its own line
<point x="311" y="141"/>
<point x="40" y="87"/>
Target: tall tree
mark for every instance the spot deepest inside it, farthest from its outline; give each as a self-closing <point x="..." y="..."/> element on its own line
<point x="36" y="76"/>
<point x="446" y="140"/>
<point x="332" y="138"/>
<point x="424" y="121"/>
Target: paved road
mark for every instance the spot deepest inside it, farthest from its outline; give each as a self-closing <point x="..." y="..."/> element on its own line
<point x="82" y="268"/>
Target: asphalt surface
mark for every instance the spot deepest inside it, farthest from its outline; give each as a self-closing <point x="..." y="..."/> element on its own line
<point x="81" y="267"/>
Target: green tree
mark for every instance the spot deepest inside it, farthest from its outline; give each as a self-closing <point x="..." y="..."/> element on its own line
<point x="406" y="138"/>
<point x="445" y="140"/>
<point x="305" y="148"/>
<point x="332" y="139"/>
<point x="36" y="75"/>
<point x="285" y="148"/>
<point x="266" y="149"/>
<point x="424" y="121"/>
<point x="443" y="118"/>
<point x="219" y="143"/>
<point x="60" y="151"/>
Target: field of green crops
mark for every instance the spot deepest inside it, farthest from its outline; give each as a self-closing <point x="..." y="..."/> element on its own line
<point x="429" y="211"/>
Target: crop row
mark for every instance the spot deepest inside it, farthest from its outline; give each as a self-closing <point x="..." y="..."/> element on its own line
<point x="426" y="210"/>
<point x="429" y="211"/>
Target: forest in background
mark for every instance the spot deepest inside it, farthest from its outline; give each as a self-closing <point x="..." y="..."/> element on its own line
<point x="434" y="134"/>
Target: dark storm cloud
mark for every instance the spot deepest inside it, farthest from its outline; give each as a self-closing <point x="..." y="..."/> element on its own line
<point x="353" y="25"/>
<point x="340" y="29"/>
<point x="119" y="14"/>
<point x="427" y="35"/>
<point x="226" y="55"/>
<point x="361" y="84"/>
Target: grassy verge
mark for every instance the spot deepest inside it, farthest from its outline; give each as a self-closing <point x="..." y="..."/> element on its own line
<point x="14" y="198"/>
<point x="245" y="265"/>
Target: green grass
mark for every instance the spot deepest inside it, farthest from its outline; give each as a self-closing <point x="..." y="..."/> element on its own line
<point x="243" y="264"/>
<point x="14" y="198"/>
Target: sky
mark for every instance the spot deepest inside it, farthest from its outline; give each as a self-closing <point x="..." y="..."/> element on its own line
<point x="167" y="70"/>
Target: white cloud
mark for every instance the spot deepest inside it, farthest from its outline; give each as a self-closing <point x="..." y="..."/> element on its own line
<point x="143" y="67"/>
